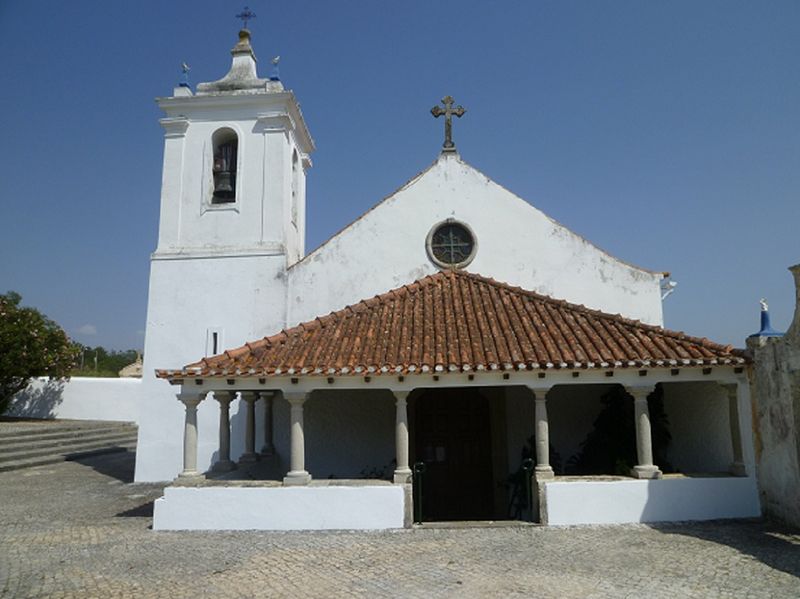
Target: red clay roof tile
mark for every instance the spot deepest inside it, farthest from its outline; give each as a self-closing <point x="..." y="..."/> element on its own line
<point x="458" y="321"/>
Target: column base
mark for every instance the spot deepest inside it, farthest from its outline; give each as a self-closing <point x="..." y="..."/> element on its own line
<point x="646" y="472"/>
<point x="402" y="477"/>
<point x="190" y="475"/>
<point x="267" y="452"/>
<point x="738" y="469"/>
<point x="296" y="479"/>
<point x="249" y="458"/>
<point x="543" y="473"/>
<point x="223" y="466"/>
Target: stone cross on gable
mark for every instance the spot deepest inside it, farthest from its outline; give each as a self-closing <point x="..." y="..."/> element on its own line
<point x="245" y="16"/>
<point x="448" y="111"/>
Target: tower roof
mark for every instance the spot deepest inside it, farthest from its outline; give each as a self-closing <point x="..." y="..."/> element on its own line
<point x="243" y="76"/>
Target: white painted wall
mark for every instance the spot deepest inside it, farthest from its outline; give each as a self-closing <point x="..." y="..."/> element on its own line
<point x="280" y="508"/>
<point x="80" y="398"/>
<point x="517" y="244"/>
<point x="241" y="296"/>
<point x="680" y="499"/>
<point x="225" y="266"/>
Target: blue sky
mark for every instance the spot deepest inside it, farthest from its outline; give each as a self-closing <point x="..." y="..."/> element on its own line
<point x="666" y="133"/>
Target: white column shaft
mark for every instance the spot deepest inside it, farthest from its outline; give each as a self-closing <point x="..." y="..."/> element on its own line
<point x="402" y="472"/>
<point x="269" y="444"/>
<point x="224" y="428"/>
<point x="297" y="459"/>
<point x="644" y="440"/>
<point x="249" y="398"/>
<point x="224" y="463"/>
<point x="542" y="433"/>
<point x="190" y="434"/>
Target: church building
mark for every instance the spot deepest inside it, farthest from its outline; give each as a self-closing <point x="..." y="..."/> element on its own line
<point x="453" y="354"/>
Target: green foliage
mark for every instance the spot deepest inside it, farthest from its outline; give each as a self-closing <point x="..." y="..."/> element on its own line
<point x="610" y="448"/>
<point x="30" y="345"/>
<point x="100" y="362"/>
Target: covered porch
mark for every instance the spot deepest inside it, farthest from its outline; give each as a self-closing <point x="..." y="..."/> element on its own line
<point x="516" y="390"/>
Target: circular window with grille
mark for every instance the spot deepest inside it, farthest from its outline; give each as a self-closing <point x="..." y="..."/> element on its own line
<point x="451" y="244"/>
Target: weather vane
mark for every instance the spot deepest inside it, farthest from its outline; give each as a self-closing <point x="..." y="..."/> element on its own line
<point x="448" y="111"/>
<point x="245" y="16"/>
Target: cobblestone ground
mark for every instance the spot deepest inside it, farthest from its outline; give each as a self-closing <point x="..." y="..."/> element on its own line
<point x="80" y="529"/>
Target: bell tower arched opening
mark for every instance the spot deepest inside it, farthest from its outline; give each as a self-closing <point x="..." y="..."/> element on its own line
<point x="225" y="154"/>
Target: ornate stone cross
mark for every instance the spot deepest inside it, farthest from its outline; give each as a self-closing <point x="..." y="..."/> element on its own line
<point x="245" y="16"/>
<point x="448" y="111"/>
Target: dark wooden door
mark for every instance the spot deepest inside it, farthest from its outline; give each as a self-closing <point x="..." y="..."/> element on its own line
<point x="453" y="438"/>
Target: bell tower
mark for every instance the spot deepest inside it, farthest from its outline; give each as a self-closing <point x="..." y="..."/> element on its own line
<point x="235" y="158"/>
<point x="232" y="221"/>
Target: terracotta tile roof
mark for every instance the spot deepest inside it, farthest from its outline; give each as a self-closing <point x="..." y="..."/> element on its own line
<point x="456" y="321"/>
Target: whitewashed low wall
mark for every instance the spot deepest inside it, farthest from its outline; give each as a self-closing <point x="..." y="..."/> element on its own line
<point x="280" y="508"/>
<point x="665" y="500"/>
<point x="79" y="399"/>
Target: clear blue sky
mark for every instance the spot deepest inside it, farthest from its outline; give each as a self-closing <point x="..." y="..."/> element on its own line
<point x="668" y="133"/>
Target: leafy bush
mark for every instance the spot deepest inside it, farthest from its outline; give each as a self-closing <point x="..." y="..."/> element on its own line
<point x="30" y="345"/>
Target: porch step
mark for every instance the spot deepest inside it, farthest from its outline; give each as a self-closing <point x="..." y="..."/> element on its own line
<point x="26" y="444"/>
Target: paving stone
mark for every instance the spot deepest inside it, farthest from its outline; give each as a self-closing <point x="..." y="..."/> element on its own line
<point x="82" y="529"/>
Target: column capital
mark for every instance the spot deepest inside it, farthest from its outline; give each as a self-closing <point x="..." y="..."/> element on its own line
<point x="267" y="394"/>
<point x="295" y="398"/>
<point x="191" y="400"/>
<point x="540" y="391"/>
<point x="732" y="389"/>
<point x="401" y="395"/>
<point x="640" y="392"/>
<point x="250" y="396"/>
<point x="224" y="396"/>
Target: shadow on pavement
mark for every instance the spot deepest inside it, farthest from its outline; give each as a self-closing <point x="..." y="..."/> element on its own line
<point x="142" y="511"/>
<point x="119" y="465"/>
<point x="771" y="543"/>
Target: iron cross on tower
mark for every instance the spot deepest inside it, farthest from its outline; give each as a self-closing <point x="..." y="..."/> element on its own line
<point x="245" y="16"/>
<point x="448" y="111"/>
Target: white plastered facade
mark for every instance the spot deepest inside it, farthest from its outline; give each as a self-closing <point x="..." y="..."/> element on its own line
<point x="238" y="269"/>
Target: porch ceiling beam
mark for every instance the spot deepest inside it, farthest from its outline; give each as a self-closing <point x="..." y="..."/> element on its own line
<point x="623" y="376"/>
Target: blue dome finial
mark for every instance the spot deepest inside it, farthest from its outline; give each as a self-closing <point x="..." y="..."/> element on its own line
<point x="766" y="327"/>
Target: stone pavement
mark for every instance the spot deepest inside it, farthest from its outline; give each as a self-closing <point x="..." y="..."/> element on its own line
<point x="80" y="529"/>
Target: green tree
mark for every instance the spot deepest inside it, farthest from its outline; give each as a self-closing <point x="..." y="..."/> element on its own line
<point x="101" y="362"/>
<point x="30" y="345"/>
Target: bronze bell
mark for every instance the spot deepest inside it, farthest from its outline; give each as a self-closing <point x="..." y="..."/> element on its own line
<point x="223" y="179"/>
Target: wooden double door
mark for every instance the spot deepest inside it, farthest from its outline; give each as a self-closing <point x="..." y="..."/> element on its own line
<point x="452" y="436"/>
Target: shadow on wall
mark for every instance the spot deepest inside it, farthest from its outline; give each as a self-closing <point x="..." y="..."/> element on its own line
<point x="770" y="543"/>
<point x="39" y="400"/>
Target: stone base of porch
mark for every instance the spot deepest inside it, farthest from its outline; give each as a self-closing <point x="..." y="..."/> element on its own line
<point x="266" y="505"/>
<point x="671" y="499"/>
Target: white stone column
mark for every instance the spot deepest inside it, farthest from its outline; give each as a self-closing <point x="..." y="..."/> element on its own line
<point x="249" y="456"/>
<point x="268" y="449"/>
<point x="297" y="460"/>
<point x="644" y="442"/>
<point x="402" y="472"/>
<point x="543" y="468"/>
<point x="737" y="466"/>
<point x="224" y="463"/>
<point x="191" y="401"/>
